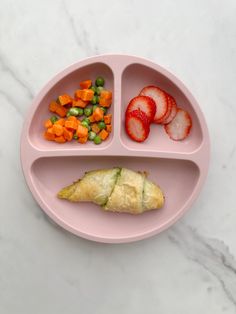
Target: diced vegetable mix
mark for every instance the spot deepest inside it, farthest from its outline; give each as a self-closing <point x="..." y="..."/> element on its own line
<point x="83" y="117"/>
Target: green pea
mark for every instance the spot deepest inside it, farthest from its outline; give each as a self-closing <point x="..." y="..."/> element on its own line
<point x="99" y="81"/>
<point x="101" y="125"/>
<point x="94" y="107"/>
<point x="94" y="89"/>
<point x="104" y="110"/>
<point x="84" y="123"/>
<point x="53" y="119"/>
<point x="88" y="111"/>
<point x="99" y="89"/>
<point x="97" y="140"/>
<point x="68" y="114"/>
<point x="86" y="120"/>
<point x="75" y="137"/>
<point x="80" y="111"/>
<point x="94" y="100"/>
<point x="74" y="111"/>
<point x="92" y="135"/>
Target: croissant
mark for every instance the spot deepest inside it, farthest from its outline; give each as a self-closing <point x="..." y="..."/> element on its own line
<point x="116" y="190"/>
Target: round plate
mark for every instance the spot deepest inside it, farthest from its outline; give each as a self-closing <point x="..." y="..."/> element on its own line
<point x="180" y="168"/>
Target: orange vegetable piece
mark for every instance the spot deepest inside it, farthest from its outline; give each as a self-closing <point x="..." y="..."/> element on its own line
<point x="60" y="121"/>
<point x="57" y="129"/>
<point x="82" y="131"/>
<point x="105" y="102"/>
<point x="104" y="134"/>
<point x="98" y="114"/>
<point x="71" y="124"/>
<point x="65" y="100"/>
<point x="68" y="135"/>
<point x="83" y="140"/>
<point x="84" y="94"/>
<point x="107" y="118"/>
<point x="109" y="128"/>
<point x="60" y="139"/>
<point x="85" y="84"/>
<point x="53" y="106"/>
<point x="106" y="94"/>
<point x="72" y="118"/>
<point x="91" y="118"/>
<point x="95" y="128"/>
<point x="49" y="136"/>
<point x="61" y="111"/>
<point x="48" y="124"/>
<point x="78" y="93"/>
<point x="79" y="103"/>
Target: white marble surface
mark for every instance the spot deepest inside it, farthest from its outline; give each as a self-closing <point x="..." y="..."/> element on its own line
<point x="191" y="268"/>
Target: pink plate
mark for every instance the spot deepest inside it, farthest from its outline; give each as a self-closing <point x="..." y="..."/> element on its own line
<point x="180" y="168"/>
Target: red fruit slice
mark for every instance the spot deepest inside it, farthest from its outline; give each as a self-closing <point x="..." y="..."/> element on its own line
<point x="172" y="112"/>
<point x="137" y="125"/>
<point x="179" y="128"/>
<point x="169" y="106"/>
<point x="160" y="99"/>
<point x="143" y="103"/>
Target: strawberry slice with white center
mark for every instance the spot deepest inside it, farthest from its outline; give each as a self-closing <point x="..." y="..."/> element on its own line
<point x="137" y="125"/>
<point x="173" y="110"/>
<point x="179" y="128"/>
<point x="143" y="103"/>
<point x="160" y="99"/>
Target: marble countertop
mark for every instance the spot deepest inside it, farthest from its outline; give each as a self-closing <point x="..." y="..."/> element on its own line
<point x="191" y="267"/>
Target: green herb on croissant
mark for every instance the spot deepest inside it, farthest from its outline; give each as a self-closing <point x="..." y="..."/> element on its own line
<point x="117" y="190"/>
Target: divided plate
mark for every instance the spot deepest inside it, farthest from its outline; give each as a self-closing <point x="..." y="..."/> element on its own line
<point x="180" y="168"/>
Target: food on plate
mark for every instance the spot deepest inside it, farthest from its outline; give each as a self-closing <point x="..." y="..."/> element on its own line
<point x="137" y="125"/>
<point x="82" y="118"/>
<point x="117" y="190"/>
<point x="179" y="127"/>
<point x="154" y="105"/>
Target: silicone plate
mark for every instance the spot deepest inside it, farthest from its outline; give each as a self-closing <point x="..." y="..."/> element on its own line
<point x="180" y="168"/>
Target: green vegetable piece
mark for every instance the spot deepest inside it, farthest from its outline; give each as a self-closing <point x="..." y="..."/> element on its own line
<point x="86" y="120"/>
<point x="101" y="125"/>
<point x="68" y="114"/>
<point x="94" y="89"/>
<point x="99" y="89"/>
<point x="97" y="140"/>
<point x="74" y="111"/>
<point x="92" y="135"/>
<point x="53" y="119"/>
<point x="84" y="123"/>
<point x="94" y="107"/>
<point x="99" y="81"/>
<point x="94" y="100"/>
<point x="75" y="137"/>
<point x="104" y="110"/>
<point x="80" y="112"/>
<point x="88" y="111"/>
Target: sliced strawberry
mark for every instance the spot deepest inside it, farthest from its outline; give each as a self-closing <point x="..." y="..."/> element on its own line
<point x="169" y="107"/>
<point x="173" y="110"/>
<point x="160" y="99"/>
<point x="143" y="103"/>
<point x="179" y="128"/>
<point x="137" y="125"/>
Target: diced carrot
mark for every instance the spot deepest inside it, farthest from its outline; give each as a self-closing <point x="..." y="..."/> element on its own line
<point x="53" y="106"/>
<point x="85" y="84"/>
<point x="60" y="121"/>
<point x="109" y="128"/>
<point x="60" y="139"/>
<point x="72" y="118"/>
<point x="48" y="124"/>
<point x="91" y="118"/>
<point x="57" y="129"/>
<point x="78" y="94"/>
<point x="83" y="140"/>
<point x="105" y="102"/>
<point x="71" y="125"/>
<point x="61" y="111"/>
<point x="79" y="103"/>
<point x="49" y="136"/>
<point x="104" y="134"/>
<point x="107" y="118"/>
<point x="84" y="94"/>
<point x="68" y="135"/>
<point x="95" y="128"/>
<point x="106" y="94"/>
<point x="82" y="131"/>
<point x="65" y="100"/>
<point x="50" y="131"/>
<point x="98" y="114"/>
